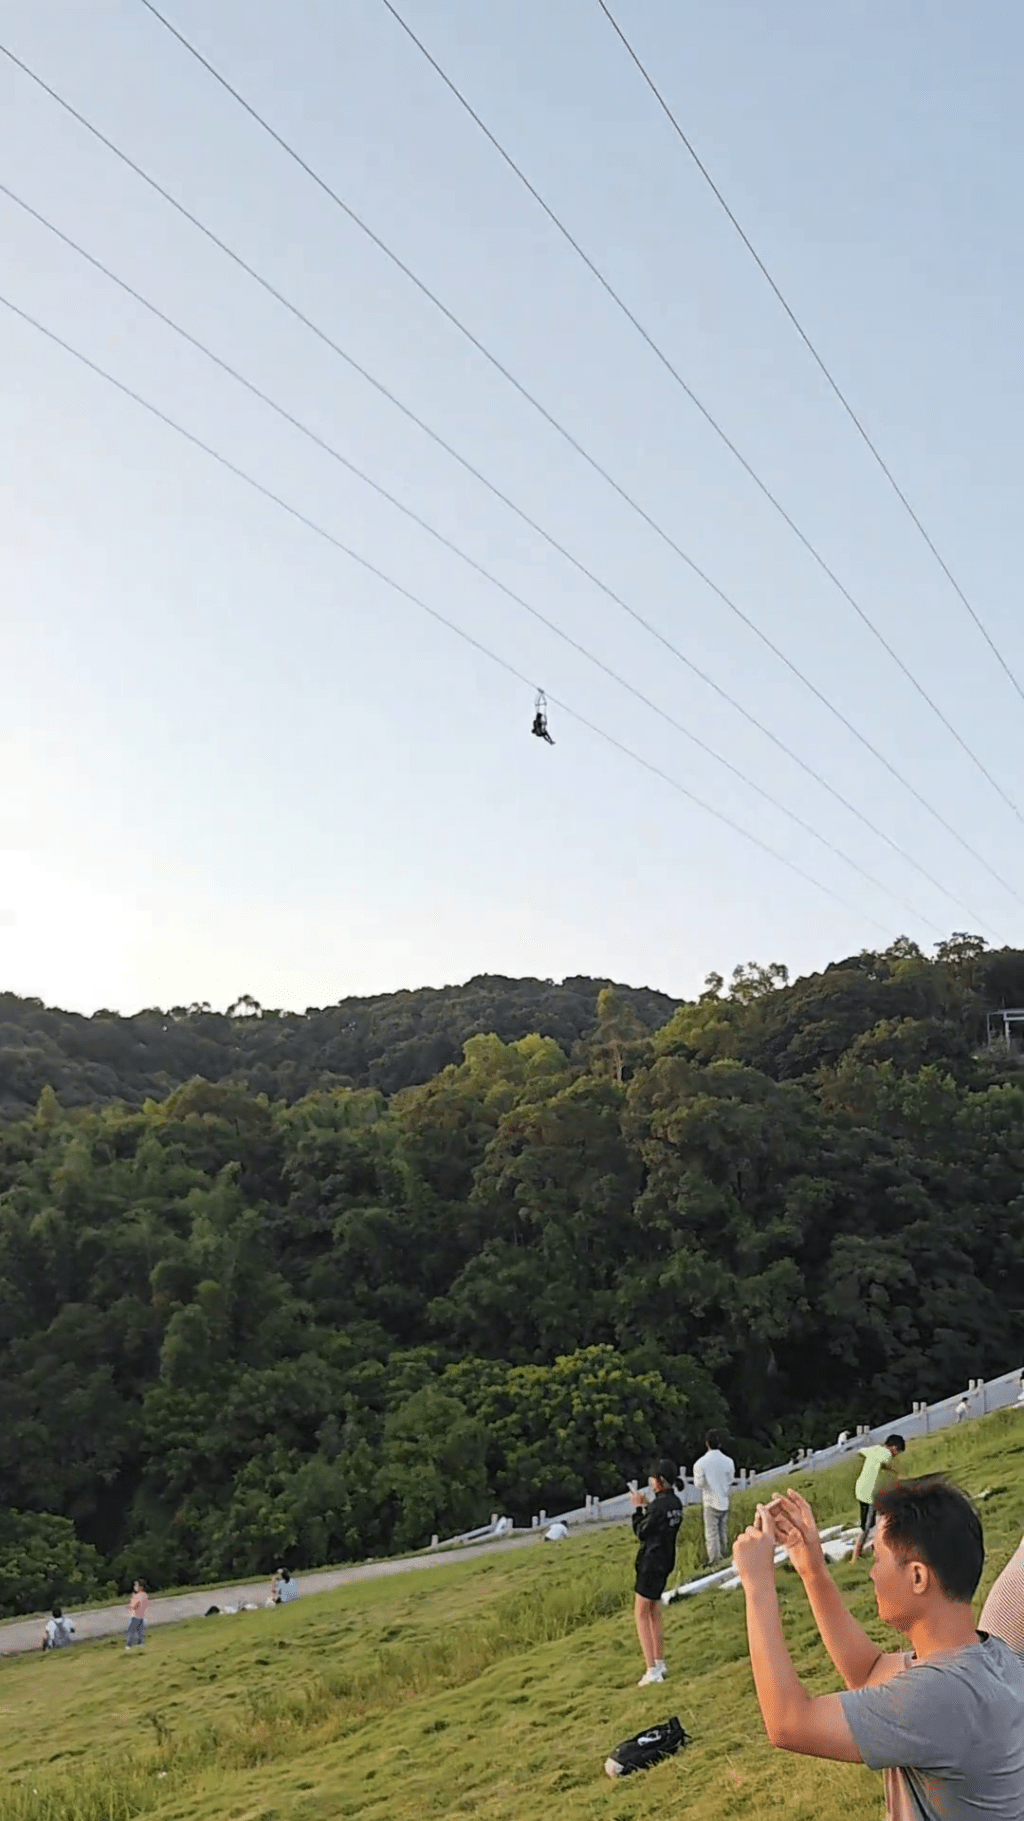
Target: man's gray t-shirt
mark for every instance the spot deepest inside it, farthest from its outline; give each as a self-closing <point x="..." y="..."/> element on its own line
<point x="949" y="1734"/>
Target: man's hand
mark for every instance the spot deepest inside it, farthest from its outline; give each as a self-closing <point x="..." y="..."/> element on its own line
<point x="753" y="1553"/>
<point x="797" y="1531"/>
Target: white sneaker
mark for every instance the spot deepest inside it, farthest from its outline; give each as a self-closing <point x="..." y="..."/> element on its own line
<point x="651" y="1675"/>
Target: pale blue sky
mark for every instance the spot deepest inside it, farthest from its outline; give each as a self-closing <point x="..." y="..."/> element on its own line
<point x="232" y="761"/>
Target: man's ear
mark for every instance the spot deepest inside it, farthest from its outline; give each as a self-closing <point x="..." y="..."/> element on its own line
<point x="920" y="1578"/>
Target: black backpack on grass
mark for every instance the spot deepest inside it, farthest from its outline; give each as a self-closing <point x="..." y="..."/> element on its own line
<point x="647" y="1748"/>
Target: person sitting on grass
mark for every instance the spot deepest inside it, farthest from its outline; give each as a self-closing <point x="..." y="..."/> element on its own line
<point x="59" y="1631"/>
<point x="657" y="1526"/>
<point x="287" y="1589"/>
<point x="944" y="1720"/>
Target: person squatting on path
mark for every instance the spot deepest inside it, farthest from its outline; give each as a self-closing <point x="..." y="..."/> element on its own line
<point x="877" y="1460"/>
<point x="714" y="1474"/>
<point x="657" y="1526"/>
<point x="137" y="1606"/>
<point x="944" y="1720"/>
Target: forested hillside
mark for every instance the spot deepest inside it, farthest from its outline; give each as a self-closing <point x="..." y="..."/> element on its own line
<point x="236" y="1329"/>
<point x="390" y="1041"/>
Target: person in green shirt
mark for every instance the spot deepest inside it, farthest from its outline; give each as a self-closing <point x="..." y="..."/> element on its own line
<point x="878" y="1459"/>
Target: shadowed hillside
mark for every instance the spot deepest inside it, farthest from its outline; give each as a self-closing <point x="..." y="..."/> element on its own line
<point x="388" y="1041"/>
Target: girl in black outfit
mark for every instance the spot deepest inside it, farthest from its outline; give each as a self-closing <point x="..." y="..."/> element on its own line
<point x="657" y="1526"/>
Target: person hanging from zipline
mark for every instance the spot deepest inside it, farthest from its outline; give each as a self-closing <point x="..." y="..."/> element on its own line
<point x="540" y="719"/>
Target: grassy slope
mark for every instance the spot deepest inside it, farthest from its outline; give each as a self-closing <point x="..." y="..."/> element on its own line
<point x="492" y="1690"/>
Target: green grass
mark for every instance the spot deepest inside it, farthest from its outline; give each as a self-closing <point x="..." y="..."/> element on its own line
<point x="491" y="1690"/>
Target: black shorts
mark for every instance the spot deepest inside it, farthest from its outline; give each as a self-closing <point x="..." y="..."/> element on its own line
<point x="867" y="1516"/>
<point x="650" y="1583"/>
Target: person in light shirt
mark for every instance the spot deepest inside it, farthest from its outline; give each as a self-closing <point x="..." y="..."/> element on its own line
<point x="138" y="1606"/>
<point x="59" y="1631"/>
<point x="878" y="1459"/>
<point x="287" y="1589"/>
<point x="714" y="1474"/>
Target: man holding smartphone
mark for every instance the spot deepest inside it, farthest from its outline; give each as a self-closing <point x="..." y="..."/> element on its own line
<point x="945" y="1719"/>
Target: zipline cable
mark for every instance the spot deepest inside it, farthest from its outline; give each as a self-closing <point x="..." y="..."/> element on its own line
<point x="335" y="347"/>
<point x="554" y="422"/>
<point x="371" y="568"/>
<point x="812" y="350"/>
<point x="707" y="415"/>
<point x="449" y="544"/>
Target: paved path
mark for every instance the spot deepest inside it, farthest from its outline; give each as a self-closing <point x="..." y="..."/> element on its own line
<point x="108" y="1621"/>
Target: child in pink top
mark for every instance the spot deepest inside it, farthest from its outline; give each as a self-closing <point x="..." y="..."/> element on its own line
<point x="137" y="1606"/>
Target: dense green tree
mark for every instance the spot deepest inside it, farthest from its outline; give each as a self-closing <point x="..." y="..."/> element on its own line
<point x="339" y="1308"/>
<point x="586" y="1423"/>
<point x="42" y="1562"/>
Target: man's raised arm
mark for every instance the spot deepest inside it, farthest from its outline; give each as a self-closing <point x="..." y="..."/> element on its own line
<point x="860" y="1662"/>
<point x="793" y="1719"/>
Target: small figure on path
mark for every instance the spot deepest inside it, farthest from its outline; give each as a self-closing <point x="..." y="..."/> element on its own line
<point x="137" y="1608"/>
<point x="59" y="1630"/>
<point x="287" y="1589"/>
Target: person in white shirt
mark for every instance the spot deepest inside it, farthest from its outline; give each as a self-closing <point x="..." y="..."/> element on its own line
<point x="714" y="1474"/>
<point x="59" y="1630"/>
<point x="287" y="1589"/>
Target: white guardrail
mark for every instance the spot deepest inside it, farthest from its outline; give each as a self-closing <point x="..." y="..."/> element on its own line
<point x="979" y="1398"/>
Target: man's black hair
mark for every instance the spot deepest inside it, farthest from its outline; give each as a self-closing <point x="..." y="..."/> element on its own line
<point x="713" y="1438"/>
<point x="897" y="1442"/>
<point x="929" y="1520"/>
<point x="58" y="1612"/>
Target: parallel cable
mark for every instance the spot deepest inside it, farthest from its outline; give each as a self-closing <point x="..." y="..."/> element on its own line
<point x="381" y="575"/>
<point x="573" y="442"/>
<point x="335" y="347"/>
<point x="449" y="544"/>
<point x="809" y="345"/>
<point x="722" y="435"/>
